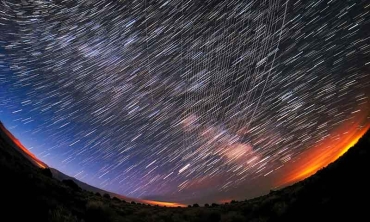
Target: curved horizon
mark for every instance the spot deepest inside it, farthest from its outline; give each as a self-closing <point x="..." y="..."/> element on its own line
<point x="312" y="160"/>
<point x="191" y="102"/>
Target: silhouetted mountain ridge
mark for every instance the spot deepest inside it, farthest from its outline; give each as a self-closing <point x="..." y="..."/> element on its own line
<point x="61" y="176"/>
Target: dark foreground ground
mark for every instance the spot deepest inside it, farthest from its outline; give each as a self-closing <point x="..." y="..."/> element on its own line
<point x="340" y="192"/>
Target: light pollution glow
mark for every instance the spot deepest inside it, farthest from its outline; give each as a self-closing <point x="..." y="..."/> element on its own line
<point x="307" y="164"/>
<point x="324" y="153"/>
<point x="42" y="165"/>
<point x="26" y="152"/>
<point x="163" y="204"/>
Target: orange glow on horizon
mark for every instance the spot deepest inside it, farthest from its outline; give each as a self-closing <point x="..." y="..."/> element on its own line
<point x="307" y="163"/>
<point x="42" y="165"/>
<point x="163" y="204"/>
<point x="312" y="160"/>
<point x="33" y="158"/>
<point x="224" y="201"/>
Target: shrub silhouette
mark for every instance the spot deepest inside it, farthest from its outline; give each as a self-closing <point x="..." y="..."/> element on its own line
<point x="47" y="172"/>
<point x="60" y="214"/>
<point x="195" y="205"/>
<point x="214" y="216"/>
<point x="233" y="217"/>
<point x="106" y="196"/>
<point x="71" y="184"/>
<point x="280" y="208"/>
<point x="97" y="211"/>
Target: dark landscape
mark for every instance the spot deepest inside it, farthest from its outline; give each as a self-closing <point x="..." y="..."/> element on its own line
<point x="338" y="191"/>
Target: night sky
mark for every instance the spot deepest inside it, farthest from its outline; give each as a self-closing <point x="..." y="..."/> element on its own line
<point x="184" y="100"/>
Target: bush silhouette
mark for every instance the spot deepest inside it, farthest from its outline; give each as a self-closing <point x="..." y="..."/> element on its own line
<point x="97" y="211"/>
<point x="47" y="172"/>
<point x="71" y="184"/>
<point x="106" y="196"/>
<point x="60" y="214"/>
<point x="233" y="217"/>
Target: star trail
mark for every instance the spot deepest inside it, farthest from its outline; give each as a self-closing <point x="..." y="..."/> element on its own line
<point x="183" y="100"/>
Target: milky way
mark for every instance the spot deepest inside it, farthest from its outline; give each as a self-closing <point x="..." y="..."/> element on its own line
<point x="179" y="99"/>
